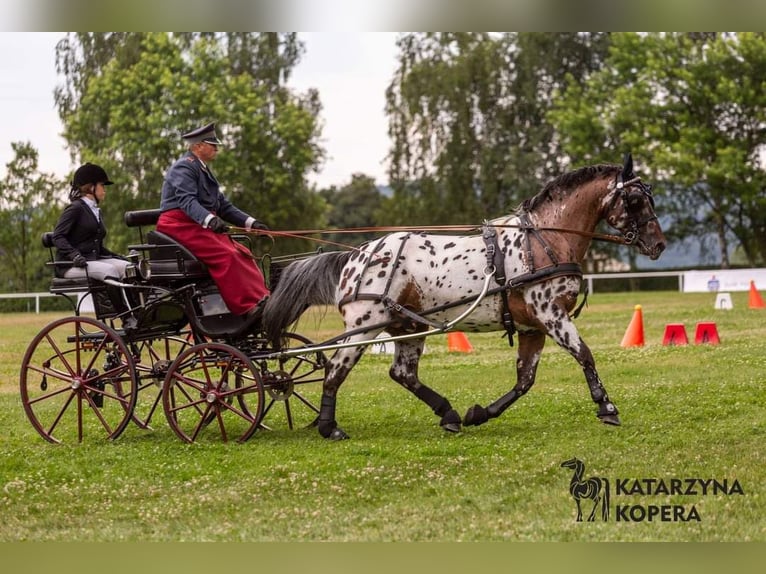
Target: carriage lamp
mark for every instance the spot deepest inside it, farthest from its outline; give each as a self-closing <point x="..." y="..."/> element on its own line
<point x="139" y="266"/>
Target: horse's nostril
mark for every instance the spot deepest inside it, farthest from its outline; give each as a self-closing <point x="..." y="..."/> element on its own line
<point x="661" y="247"/>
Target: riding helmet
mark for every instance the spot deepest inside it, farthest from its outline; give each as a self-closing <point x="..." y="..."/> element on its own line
<point x="90" y="173"/>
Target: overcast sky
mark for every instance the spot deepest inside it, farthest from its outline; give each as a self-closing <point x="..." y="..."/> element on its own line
<point x="351" y="70"/>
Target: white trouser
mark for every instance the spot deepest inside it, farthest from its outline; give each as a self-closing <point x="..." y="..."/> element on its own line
<point x="100" y="269"/>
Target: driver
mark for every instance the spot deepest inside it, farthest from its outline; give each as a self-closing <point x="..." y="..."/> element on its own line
<point x="195" y="213"/>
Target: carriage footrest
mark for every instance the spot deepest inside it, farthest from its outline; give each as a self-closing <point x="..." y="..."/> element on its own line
<point x="65" y="285"/>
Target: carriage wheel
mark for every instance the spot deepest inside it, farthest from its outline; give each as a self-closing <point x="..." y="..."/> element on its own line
<point x="199" y="392"/>
<point x="286" y="378"/>
<point x="78" y="380"/>
<point x="153" y="358"/>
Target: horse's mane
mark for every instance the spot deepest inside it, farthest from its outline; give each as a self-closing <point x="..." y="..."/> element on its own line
<point x="567" y="182"/>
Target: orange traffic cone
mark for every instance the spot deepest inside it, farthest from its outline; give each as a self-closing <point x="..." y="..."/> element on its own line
<point x="634" y="335"/>
<point x="756" y="301"/>
<point x="458" y="342"/>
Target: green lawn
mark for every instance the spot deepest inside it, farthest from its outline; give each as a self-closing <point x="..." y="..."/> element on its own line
<point x="693" y="412"/>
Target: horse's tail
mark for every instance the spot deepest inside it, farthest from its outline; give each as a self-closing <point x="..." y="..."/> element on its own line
<point x="302" y="283"/>
<point x="605" y="500"/>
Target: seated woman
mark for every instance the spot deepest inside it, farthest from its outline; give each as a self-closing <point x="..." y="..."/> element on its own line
<point x="80" y="232"/>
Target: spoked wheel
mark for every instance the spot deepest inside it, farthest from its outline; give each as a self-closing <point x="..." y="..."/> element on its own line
<point x="153" y="359"/>
<point x="285" y="379"/>
<point x="199" y="392"/>
<point x="78" y="380"/>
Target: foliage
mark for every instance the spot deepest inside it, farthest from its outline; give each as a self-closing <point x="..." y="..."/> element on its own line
<point x="29" y="208"/>
<point x="691" y="107"/>
<point x="400" y="477"/>
<point x="128" y="96"/>
<point x="470" y="139"/>
<point x="355" y="205"/>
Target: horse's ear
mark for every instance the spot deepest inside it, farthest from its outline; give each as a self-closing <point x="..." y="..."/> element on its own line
<point x="627" y="167"/>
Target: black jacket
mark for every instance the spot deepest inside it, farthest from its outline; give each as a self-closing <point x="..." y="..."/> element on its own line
<point x="78" y="231"/>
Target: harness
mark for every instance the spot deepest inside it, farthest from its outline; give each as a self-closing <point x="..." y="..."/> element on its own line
<point x="495" y="257"/>
<point x="495" y="265"/>
<point x="631" y="235"/>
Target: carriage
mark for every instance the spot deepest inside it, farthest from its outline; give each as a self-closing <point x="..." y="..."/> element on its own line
<point x="172" y="346"/>
<point x="520" y="273"/>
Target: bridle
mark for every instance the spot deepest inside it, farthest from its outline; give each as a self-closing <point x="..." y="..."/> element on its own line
<point x="622" y="191"/>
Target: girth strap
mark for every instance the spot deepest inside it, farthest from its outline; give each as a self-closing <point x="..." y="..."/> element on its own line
<point x="546" y="273"/>
<point x="495" y="259"/>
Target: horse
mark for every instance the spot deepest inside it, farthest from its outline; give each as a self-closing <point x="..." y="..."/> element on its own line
<point x="406" y="283"/>
<point x="589" y="489"/>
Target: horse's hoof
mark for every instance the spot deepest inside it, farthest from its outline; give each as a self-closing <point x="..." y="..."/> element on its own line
<point x="451" y="421"/>
<point x="338" y="434"/>
<point x="476" y="415"/>
<point x="610" y="420"/>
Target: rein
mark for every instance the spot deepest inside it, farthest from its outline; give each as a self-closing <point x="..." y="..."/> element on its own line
<point x="302" y="233"/>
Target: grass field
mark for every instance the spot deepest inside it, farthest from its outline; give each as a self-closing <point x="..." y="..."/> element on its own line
<point x="693" y="412"/>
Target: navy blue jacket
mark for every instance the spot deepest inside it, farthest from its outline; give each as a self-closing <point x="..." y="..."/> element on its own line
<point x="191" y="187"/>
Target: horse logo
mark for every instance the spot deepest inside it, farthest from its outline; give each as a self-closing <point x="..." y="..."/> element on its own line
<point x="588" y="489"/>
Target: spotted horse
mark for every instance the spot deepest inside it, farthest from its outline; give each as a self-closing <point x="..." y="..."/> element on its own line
<point x="416" y="283"/>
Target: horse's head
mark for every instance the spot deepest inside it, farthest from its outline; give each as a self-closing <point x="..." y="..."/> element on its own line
<point x="630" y="210"/>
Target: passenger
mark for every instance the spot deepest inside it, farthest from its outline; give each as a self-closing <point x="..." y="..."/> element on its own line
<point x="79" y="234"/>
<point x="195" y="213"/>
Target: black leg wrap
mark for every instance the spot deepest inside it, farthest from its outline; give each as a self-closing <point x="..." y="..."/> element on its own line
<point x="607" y="412"/>
<point x="327" y="426"/>
<point x="476" y="415"/>
<point x="438" y="403"/>
<point x="597" y="391"/>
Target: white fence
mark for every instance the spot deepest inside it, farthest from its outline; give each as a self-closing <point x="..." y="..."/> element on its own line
<point x="35" y="296"/>
<point x="688" y="281"/>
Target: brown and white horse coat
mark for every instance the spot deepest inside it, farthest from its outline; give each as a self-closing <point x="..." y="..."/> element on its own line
<point x="408" y="282"/>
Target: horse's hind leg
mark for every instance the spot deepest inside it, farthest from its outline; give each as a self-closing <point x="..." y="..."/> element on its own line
<point x="531" y="344"/>
<point x="404" y="371"/>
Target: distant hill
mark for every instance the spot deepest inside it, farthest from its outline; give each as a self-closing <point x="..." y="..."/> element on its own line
<point x="681" y="255"/>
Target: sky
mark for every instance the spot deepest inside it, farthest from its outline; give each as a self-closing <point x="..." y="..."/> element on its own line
<point x="351" y="70"/>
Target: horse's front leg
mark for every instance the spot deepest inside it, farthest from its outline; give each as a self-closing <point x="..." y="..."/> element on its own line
<point x="404" y="370"/>
<point x="562" y="330"/>
<point x="336" y="371"/>
<point x="531" y="344"/>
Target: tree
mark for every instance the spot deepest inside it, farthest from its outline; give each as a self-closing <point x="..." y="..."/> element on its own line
<point x="29" y="208"/>
<point x="356" y="205"/>
<point x="128" y="96"/>
<point x="694" y="109"/>
<point x="467" y="116"/>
